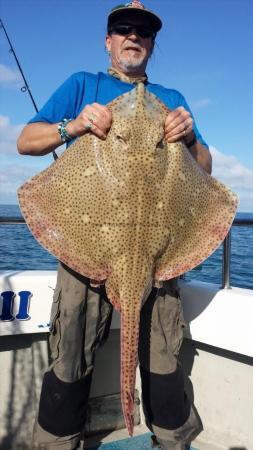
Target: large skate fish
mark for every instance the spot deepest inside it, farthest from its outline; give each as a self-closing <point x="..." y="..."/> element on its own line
<point x="129" y="211"/>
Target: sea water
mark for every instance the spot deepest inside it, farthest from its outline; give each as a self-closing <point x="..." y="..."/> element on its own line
<point x="20" y="251"/>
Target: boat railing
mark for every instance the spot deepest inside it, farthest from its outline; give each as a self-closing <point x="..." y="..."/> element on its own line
<point x="226" y="258"/>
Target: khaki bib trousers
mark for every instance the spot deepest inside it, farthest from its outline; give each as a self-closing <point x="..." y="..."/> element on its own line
<point x="80" y="323"/>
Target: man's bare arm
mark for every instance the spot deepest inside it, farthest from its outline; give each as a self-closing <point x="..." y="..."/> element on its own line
<point x="202" y="155"/>
<point x="38" y="139"/>
<point x="179" y="126"/>
<point x="41" y="138"/>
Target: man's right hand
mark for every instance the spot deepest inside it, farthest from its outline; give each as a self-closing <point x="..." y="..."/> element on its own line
<point x="93" y="118"/>
<point x="41" y="138"/>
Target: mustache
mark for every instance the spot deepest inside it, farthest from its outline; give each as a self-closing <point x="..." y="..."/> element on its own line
<point x="132" y="46"/>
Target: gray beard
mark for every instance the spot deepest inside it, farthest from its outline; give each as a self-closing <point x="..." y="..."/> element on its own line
<point x="131" y="64"/>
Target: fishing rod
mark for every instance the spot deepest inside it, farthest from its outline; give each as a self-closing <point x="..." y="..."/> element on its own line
<point x="24" y="88"/>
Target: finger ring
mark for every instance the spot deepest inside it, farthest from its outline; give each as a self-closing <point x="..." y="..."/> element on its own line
<point x="91" y="118"/>
<point x="88" y="126"/>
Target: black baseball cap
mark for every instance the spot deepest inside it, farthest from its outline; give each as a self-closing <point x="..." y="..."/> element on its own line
<point x="134" y="9"/>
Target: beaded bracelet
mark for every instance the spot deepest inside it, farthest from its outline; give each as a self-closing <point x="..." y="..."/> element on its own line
<point x="65" y="137"/>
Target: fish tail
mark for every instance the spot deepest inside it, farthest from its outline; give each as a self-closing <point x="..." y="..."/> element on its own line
<point x="128" y="410"/>
<point x="129" y="359"/>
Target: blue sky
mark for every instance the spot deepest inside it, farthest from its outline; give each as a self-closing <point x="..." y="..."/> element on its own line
<point x="204" y="50"/>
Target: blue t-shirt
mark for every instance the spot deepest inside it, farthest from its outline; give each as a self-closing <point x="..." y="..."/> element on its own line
<point x="83" y="88"/>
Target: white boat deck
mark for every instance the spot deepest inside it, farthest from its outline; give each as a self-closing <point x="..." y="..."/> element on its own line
<point x="216" y="356"/>
<point x="119" y="440"/>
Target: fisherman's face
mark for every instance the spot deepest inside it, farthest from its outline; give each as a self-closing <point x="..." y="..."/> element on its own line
<point x="130" y="53"/>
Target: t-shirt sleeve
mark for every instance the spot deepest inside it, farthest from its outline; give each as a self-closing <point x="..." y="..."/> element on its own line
<point x="62" y="104"/>
<point x="183" y="102"/>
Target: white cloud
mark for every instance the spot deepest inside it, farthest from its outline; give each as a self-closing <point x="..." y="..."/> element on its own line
<point x="14" y="175"/>
<point x="9" y="77"/>
<point x="229" y="170"/>
<point x="8" y="135"/>
<point x="201" y="103"/>
<point x="14" y="169"/>
<point x="11" y="178"/>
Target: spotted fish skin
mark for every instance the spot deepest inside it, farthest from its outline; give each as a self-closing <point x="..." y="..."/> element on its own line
<point x="129" y="212"/>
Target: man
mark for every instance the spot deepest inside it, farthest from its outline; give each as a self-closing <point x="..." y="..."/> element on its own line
<point x="80" y="321"/>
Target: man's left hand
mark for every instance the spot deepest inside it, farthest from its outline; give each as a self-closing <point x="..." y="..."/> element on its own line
<point x="178" y="124"/>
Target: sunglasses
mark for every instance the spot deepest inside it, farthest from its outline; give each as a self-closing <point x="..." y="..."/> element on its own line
<point x="124" y="30"/>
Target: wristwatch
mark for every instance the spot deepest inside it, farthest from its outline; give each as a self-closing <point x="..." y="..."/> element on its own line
<point x="190" y="139"/>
